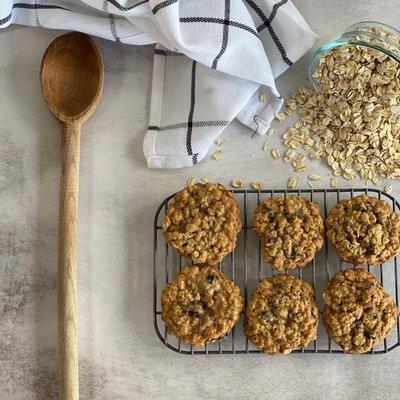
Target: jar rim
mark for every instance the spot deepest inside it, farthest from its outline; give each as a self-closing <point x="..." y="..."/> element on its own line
<point x="370" y="22"/>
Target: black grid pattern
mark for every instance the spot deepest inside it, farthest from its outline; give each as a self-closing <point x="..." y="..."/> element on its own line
<point x="225" y="21"/>
<point x="191" y="111"/>
<point x="113" y="28"/>
<point x="213" y="20"/>
<point x="225" y="34"/>
<point x="166" y="52"/>
<point x="111" y="18"/>
<point x="34" y="7"/>
<point x="246" y="267"/>
<point x="162" y="5"/>
<point x="268" y="21"/>
<point x="194" y="124"/>
<point x="267" y="24"/>
<point x="190" y="124"/>
<point x="120" y="7"/>
<point x="226" y="24"/>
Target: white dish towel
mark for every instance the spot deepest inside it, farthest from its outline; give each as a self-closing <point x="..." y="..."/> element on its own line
<point x="212" y="60"/>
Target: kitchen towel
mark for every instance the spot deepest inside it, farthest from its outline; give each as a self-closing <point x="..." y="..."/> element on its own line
<point x="215" y="60"/>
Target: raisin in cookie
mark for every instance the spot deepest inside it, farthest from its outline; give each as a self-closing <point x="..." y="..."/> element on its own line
<point x="201" y="305"/>
<point x="202" y="222"/>
<point x="290" y="229"/>
<point x="358" y="312"/>
<point x="282" y="315"/>
<point x="364" y="230"/>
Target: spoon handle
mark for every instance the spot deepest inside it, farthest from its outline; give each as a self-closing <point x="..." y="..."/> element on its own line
<point x="67" y="319"/>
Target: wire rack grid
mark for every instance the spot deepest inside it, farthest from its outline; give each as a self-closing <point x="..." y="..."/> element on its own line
<point x="246" y="268"/>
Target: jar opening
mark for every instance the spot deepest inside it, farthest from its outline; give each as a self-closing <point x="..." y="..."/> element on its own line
<point x="375" y="35"/>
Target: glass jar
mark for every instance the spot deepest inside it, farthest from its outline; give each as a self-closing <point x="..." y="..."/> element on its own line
<point x="371" y="34"/>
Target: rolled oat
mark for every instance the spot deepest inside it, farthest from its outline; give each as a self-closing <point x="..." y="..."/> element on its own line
<point x="349" y="122"/>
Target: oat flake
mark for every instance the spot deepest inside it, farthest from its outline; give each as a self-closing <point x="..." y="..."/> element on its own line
<point x="217" y="155"/>
<point x="236" y="183"/>
<point x="256" y="185"/>
<point x="292" y="182"/>
<point x="190" y="182"/>
<point x="388" y="189"/>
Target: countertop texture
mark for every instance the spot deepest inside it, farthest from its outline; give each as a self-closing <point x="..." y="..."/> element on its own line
<point x="120" y="355"/>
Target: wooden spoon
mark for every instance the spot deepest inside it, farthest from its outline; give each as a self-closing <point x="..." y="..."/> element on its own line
<point x="71" y="78"/>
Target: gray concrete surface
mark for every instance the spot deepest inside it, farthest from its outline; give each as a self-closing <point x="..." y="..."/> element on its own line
<point x="120" y="356"/>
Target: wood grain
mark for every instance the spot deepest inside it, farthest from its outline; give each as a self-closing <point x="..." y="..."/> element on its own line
<point x="71" y="78"/>
<point x="67" y="254"/>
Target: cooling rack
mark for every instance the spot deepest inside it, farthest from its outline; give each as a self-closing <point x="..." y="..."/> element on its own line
<point x="246" y="268"/>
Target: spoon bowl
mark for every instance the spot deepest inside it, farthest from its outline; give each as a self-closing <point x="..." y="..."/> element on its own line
<point x="71" y="77"/>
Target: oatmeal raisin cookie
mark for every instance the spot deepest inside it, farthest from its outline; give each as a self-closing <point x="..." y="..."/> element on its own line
<point x="282" y="315"/>
<point x="290" y="229"/>
<point x="364" y="229"/>
<point x="358" y="312"/>
<point x="201" y="305"/>
<point x="202" y="222"/>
